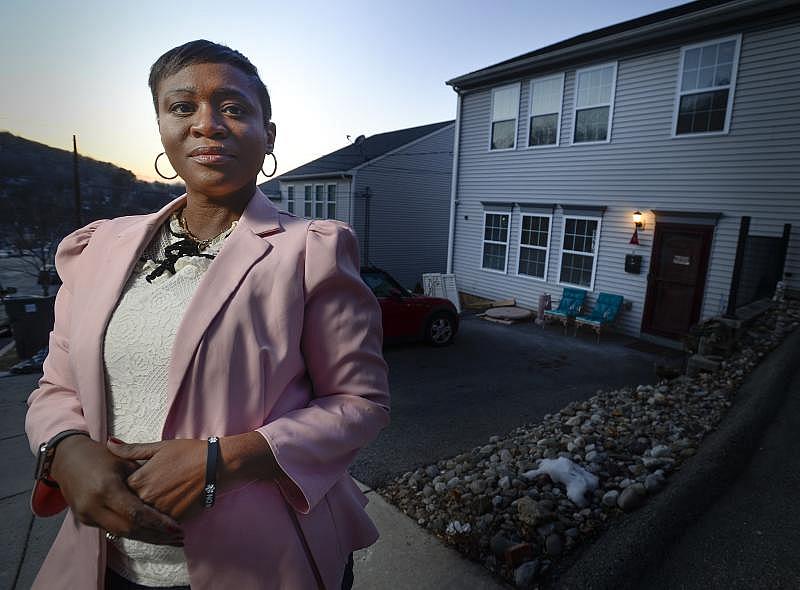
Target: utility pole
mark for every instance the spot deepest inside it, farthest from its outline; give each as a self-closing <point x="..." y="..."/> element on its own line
<point x="77" y="184"/>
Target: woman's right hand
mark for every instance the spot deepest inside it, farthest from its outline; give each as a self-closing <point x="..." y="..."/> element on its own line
<point x="92" y="481"/>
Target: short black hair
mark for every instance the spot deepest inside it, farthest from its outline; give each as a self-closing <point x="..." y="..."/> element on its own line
<point x="203" y="52"/>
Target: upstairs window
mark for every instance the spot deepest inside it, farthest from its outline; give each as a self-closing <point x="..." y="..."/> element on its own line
<point x="290" y="199"/>
<point x="594" y="103"/>
<point x="331" y="201"/>
<point x="308" y="209"/>
<point x="707" y="79"/>
<point x="505" y="106"/>
<point x="545" y="116"/>
<point x="495" y="241"/>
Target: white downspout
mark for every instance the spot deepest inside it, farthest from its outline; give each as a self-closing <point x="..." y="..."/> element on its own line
<point x="453" y="187"/>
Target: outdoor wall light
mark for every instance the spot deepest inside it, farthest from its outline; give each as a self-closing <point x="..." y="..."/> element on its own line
<point x="638" y="224"/>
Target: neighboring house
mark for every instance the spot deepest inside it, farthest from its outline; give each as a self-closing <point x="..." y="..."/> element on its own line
<point x="272" y="189"/>
<point x="392" y="188"/>
<point x="689" y="116"/>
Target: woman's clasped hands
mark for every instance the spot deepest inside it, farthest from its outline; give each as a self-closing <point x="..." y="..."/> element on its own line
<point x="172" y="477"/>
<point x="102" y="491"/>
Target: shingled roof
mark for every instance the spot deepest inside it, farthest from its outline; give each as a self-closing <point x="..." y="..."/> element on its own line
<point x="344" y="160"/>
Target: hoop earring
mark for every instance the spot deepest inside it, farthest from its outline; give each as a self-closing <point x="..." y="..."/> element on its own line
<point x="274" y="168"/>
<point x="159" y="172"/>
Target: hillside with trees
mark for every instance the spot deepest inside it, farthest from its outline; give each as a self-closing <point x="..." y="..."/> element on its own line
<point x="37" y="202"/>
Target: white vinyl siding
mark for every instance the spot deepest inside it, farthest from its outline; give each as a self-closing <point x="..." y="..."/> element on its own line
<point x="308" y="209"/>
<point x="579" y="251"/>
<point x="544" y="122"/>
<point x="495" y="242"/>
<point x="594" y="104"/>
<point x="706" y="82"/>
<point x="404" y="230"/>
<point x="534" y="246"/>
<point x="290" y="199"/>
<point x="505" y="109"/>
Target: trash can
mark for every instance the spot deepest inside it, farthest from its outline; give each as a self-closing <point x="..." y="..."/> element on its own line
<point x="31" y="319"/>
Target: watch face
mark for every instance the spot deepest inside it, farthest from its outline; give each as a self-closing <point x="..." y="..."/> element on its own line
<point x="47" y="452"/>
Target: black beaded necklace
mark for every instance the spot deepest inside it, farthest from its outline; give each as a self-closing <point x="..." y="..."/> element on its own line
<point x="186" y="246"/>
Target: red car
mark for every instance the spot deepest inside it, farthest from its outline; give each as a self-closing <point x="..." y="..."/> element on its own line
<point x="408" y="316"/>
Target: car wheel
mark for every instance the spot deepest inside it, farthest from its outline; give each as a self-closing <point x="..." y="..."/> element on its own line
<point x="441" y="329"/>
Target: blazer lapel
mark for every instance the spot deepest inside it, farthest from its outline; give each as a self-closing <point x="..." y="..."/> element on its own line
<point x="101" y="297"/>
<point x="242" y="249"/>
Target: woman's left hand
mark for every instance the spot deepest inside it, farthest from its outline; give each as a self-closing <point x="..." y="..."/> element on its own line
<point x="173" y="477"/>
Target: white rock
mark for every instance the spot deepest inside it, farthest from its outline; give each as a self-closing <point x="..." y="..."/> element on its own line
<point x="457" y="528"/>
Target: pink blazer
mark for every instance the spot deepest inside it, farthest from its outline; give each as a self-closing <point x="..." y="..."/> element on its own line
<point x="282" y="337"/>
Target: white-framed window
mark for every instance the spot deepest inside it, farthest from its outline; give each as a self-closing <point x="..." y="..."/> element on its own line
<point x="319" y="201"/>
<point x="706" y="83"/>
<point x="594" y="103"/>
<point x="505" y="109"/>
<point x="331" y="201"/>
<point x="579" y="251"/>
<point x="495" y="241"/>
<point x="290" y="199"/>
<point x="308" y="203"/>
<point x="534" y="245"/>
<point x="544" y="121"/>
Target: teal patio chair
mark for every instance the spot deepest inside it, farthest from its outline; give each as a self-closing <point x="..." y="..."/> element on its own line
<point x="604" y="314"/>
<point x="570" y="306"/>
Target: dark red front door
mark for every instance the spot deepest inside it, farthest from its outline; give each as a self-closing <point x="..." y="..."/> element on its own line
<point x="677" y="278"/>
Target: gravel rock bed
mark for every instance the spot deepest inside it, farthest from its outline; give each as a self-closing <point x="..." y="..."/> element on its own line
<point x="486" y="504"/>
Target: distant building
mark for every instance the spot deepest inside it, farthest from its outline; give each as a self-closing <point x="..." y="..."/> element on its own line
<point x="392" y="188"/>
<point x="689" y="116"/>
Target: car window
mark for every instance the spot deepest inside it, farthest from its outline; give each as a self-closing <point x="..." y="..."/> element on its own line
<point x="381" y="284"/>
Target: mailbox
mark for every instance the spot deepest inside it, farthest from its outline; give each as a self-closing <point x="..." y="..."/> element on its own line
<point x="633" y="263"/>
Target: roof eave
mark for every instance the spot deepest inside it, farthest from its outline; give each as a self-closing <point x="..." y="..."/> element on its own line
<point x="683" y="24"/>
<point x="315" y="175"/>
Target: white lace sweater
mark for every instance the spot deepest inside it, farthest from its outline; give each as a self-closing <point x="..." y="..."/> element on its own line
<point x="138" y="345"/>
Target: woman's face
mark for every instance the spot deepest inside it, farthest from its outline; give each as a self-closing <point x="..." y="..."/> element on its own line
<point x="212" y="128"/>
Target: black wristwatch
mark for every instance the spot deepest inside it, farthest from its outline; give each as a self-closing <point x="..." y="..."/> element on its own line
<point x="47" y="451"/>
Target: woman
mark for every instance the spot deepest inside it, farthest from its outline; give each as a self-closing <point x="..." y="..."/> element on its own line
<point x="235" y="351"/>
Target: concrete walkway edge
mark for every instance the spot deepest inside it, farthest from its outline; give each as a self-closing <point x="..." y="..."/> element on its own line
<point x="617" y="558"/>
<point x="408" y="557"/>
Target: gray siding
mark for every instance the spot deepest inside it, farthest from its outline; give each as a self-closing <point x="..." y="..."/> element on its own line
<point x="409" y="204"/>
<point x="752" y="171"/>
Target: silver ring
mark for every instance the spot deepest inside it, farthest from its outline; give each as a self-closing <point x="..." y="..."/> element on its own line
<point x="111" y="536"/>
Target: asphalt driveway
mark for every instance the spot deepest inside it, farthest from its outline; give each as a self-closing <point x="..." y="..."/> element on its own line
<point x="493" y="379"/>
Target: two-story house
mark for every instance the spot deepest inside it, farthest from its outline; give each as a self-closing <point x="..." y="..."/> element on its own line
<point x="686" y="118"/>
<point x="392" y="188"/>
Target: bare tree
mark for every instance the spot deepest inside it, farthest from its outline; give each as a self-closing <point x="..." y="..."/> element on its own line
<point x="34" y="224"/>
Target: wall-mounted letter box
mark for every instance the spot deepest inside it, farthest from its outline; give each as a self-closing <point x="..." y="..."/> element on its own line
<point x="633" y="263"/>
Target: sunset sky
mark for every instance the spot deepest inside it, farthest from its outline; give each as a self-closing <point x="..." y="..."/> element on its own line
<point x="333" y="68"/>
